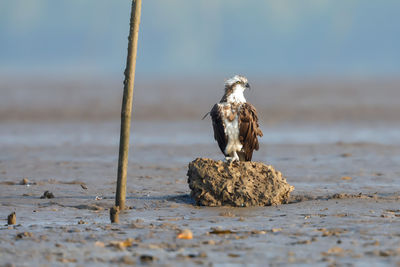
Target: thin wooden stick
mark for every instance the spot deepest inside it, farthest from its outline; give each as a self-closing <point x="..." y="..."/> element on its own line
<point x="127" y="104"/>
<point x="114" y="214"/>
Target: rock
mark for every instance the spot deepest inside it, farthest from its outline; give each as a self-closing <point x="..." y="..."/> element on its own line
<point x="24" y="235"/>
<point x="147" y="258"/>
<point x="238" y="184"/>
<point x="24" y="181"/>
<point x="122" y="244"/>
<point x="185" y="234"/>
<point x="47" y="194"/>
<point x="12" y="219"/>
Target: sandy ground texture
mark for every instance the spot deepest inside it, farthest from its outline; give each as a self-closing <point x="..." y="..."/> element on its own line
<point x="345" y="209"/>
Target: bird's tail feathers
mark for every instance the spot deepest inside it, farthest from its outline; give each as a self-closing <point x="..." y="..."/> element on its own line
<point x="208" y="113"/>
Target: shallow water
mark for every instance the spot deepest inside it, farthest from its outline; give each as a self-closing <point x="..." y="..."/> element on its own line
<point x="193" y="132"/>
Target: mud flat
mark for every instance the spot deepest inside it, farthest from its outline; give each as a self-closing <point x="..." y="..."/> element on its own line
<point x="344" y="211"/>
<point x="236" y="184"/>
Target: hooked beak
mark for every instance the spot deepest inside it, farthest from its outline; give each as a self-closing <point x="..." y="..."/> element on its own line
<point x="248" y="86"/>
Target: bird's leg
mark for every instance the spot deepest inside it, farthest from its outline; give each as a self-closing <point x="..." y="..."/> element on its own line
<point x="228" y="159"/>
<point x="235" y="156"/>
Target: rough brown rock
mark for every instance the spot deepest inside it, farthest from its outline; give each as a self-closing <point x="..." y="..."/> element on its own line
<point x="239" y="184"/>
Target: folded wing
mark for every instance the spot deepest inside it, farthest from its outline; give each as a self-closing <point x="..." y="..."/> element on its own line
<point x="248" y="131"/>
<point x="218" y="126"/>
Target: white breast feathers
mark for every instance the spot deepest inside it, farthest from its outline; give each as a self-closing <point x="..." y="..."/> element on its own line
<point x="231" y="123"/>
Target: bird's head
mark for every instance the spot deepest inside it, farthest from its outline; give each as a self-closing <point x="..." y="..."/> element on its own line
<point x="237" y="82"/>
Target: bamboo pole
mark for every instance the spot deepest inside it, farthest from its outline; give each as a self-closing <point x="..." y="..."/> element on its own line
<point x="114" y="214"/>
<point x="127" y="104"/>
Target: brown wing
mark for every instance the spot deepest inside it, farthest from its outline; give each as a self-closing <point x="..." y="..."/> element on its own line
<point x="248" y="130"/>
<point x="218" y="126"/>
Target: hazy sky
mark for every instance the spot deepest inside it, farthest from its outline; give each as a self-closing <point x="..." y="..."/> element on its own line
<point x="207" y="37"/>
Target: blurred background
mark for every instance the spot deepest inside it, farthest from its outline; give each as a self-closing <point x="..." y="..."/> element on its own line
<point x="316" y="61"/>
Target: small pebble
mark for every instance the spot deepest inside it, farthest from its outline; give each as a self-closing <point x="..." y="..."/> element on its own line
<point x="12" y="219"/>
<point x="47" y="194"/>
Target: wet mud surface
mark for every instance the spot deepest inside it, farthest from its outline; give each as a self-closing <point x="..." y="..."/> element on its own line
<point x="345" y="209"/>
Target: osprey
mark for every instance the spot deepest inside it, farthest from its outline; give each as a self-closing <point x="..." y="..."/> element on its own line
<point x="235" y="122"/>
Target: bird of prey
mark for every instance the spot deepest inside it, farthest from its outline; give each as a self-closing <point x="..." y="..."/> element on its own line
<point x="235" y="122"/>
